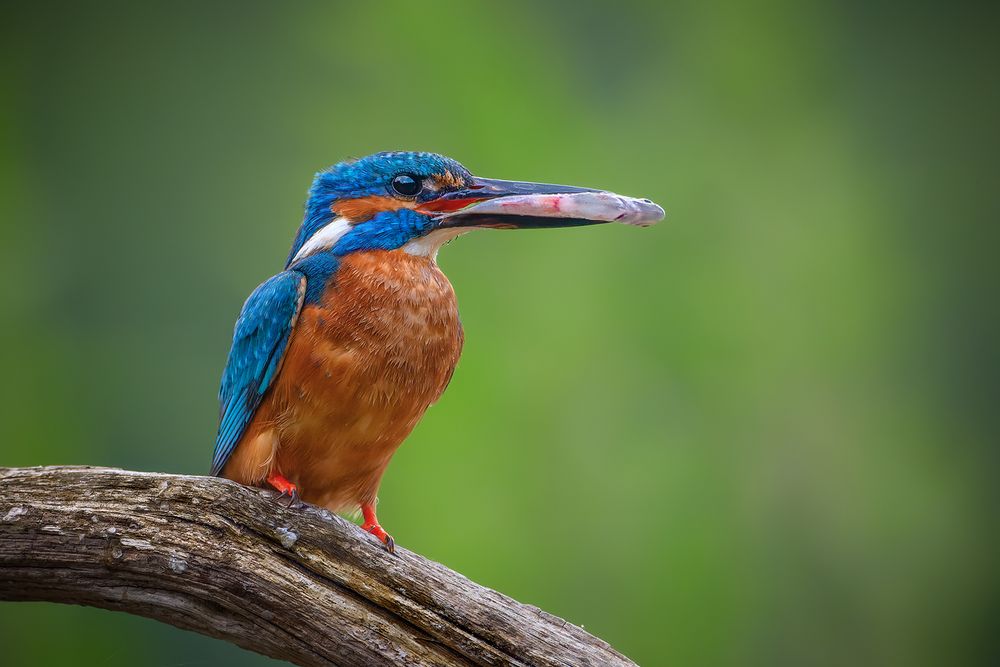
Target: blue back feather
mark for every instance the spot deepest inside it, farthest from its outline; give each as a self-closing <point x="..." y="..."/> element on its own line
<point x="259" y="341"/>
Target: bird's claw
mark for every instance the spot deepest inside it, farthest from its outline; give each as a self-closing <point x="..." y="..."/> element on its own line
<point x="285" y="488"/>
<point x="384" y="537"/>
<point x="294" y="501"/>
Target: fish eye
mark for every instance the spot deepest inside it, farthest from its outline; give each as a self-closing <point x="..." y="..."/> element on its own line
<point x="407" y="185"/>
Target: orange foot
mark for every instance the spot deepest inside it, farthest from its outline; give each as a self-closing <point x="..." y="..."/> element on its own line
<point x="371" y="525"/>
<point x="286" y="488"/>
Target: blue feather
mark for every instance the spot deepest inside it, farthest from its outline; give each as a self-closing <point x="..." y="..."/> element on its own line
<point x="259" y="342"/>
<point x="317" y="269"/>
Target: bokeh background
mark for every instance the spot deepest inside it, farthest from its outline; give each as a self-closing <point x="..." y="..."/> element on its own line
<point x="763" y="432"/>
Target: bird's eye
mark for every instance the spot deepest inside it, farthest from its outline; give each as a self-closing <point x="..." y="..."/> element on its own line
<point x="407" y="185"/>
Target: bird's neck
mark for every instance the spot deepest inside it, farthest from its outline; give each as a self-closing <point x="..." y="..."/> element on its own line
<point x="413" y="262"/>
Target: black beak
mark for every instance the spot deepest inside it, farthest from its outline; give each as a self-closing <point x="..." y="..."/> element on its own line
<point x="520" y="205"/>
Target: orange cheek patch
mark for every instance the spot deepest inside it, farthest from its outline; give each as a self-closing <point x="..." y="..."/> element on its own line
<point x="366" y="208"/>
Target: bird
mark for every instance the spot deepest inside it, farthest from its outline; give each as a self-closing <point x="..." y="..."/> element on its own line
<point x="335" y="359"/>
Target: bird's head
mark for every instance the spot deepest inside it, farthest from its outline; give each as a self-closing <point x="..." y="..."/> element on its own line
<point x="417" y="201"/>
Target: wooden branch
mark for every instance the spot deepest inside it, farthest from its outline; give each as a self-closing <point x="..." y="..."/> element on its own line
<point x="225" y="560"/>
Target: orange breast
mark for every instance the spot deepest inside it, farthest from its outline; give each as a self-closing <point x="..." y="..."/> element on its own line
<point x="361" y="368"/>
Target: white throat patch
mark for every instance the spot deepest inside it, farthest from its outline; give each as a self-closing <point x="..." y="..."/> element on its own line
<point x="324" y="239"/>
<point x="429" y="244"/>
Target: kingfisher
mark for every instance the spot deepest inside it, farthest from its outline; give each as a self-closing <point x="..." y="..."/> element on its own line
<point x="335" y="359"/>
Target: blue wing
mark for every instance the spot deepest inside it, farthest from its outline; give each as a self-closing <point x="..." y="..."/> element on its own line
<point x="259" y="341"/>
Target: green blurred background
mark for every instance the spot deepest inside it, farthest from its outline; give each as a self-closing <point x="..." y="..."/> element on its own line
<point x="760" y="433"/>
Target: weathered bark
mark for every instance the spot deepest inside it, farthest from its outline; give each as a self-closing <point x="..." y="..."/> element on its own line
<point x="225" y="560"/>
